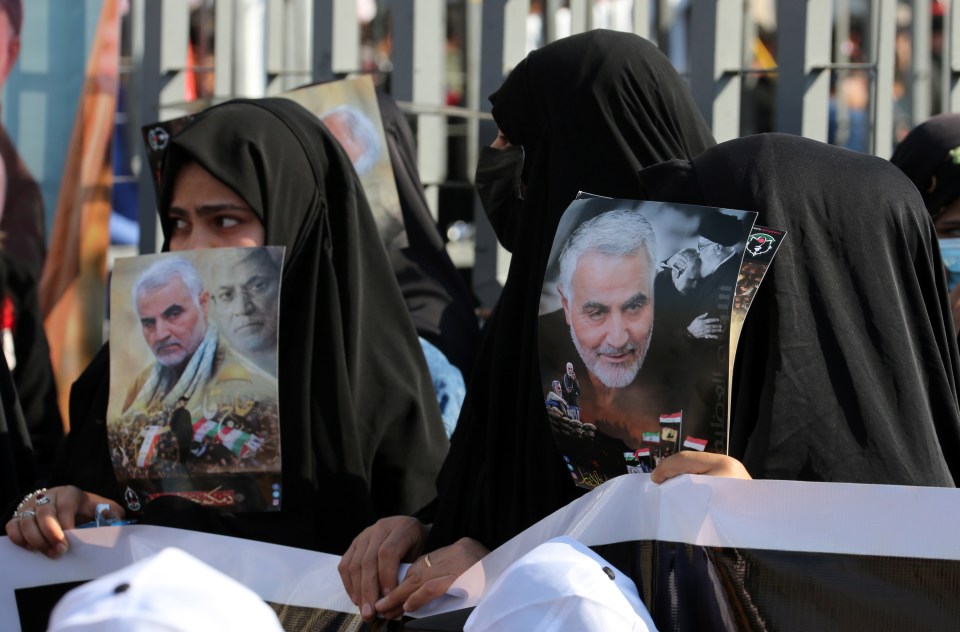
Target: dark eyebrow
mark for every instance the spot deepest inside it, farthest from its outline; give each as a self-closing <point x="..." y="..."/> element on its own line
<point x="640" y="298"/>
<point x="172" y="310"/>
<point x="211" y="209"/>
<point x="595" y="305"/>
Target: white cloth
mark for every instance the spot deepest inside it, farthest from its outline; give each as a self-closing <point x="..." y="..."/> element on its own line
<point x="561" y="585"/>
<point x="170" y="591"/>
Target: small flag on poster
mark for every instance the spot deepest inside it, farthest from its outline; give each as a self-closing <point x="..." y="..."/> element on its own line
<point x="692" y="443"/>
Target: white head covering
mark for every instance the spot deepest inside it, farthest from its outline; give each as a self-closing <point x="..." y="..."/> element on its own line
<point x="171" y="592"/>
<point x="561" y="585"/>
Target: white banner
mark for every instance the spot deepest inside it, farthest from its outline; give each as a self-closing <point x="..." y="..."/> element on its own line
<point x="706" y="511"/>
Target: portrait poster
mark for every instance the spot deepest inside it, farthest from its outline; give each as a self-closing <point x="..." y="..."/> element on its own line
<point x="634" y="329"/>
<point x="950" y="253"/>
<point x="350" y="111"/>
<point x="193" y="408"/>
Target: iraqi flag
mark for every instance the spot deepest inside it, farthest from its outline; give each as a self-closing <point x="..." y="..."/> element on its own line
<point x="672" y="418"/>
<point x="641" y="453"/>
<point x="150" y="436"/>
<point x="692" y="443"/>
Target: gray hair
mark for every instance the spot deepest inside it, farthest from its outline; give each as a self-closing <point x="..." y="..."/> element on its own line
<point x="163" y="272"/>
<point x="621" y="233"/>
<point x="363" y="130"/>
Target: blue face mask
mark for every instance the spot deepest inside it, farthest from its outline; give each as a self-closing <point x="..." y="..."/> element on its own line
<point x="950" y="252"/>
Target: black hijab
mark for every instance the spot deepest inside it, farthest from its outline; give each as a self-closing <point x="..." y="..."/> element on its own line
<point x="925" y="156"/>
<point x="360" y="429"/>
<point x="590" y="111"/>
<point x="847" y="368"/>
<point x="437" y="297"/>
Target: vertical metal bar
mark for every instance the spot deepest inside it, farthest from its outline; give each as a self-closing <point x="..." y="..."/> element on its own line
<point x="578" y="16"/>
<point x="514" y="32"/>
<point x="322" y="63"/>
<point x="951" y="58"/>
<point x="884" y="46"/>
<point x="146" y="18"/>
<point x="641" y="18"/>
<point x="474" y="28"/>
<point x="919" y="80"/>
<point x="485" y="283"/>
<point x="550" y="8"/>
<point x="840" y="40"/>
<point x="803" y="92"/>
<point x="717" y="27"/>
<point x="665" y="19"/>
<point x="276" y="37"/>
<point x="223" y="73"/>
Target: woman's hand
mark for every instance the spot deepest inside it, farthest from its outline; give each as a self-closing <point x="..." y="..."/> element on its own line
<point x="369" y="567"/>
<point x="39" y="524"/>
<point x="430" y="577"/>
<point x="692" y="462"/>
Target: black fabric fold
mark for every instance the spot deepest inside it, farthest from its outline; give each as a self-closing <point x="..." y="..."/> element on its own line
<point x="847" y="368"/>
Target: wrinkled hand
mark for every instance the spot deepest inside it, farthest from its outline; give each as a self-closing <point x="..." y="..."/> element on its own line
<point x="44" y="531"/>
<point x="703" y="327"/>
<point x="424" y="583"/>
<point x="369" y="567"/>
<point x="691" y="462"/>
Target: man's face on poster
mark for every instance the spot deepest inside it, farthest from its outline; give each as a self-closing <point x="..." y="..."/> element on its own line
<point x="685" y="270"/>
<point x="246" y="299"/>
<point x="610" y="313"/>
<point x="339" y="125"/>
<point x="173" y="322"/>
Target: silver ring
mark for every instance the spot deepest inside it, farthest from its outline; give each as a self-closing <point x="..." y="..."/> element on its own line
<point x="26" y="513"/>
<point x="426" y="558"/>
<point x="44" y="500"/>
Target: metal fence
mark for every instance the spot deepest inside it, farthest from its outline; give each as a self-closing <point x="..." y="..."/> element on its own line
<point x="266" y="46"/>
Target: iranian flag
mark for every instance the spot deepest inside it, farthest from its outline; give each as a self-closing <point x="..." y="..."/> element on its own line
<point x="150" y="436"/>
<point x="204" y="429"/>
<point x="239" y="442"/>
<point x="651" y="437"/>
<point x="692" y="443"/>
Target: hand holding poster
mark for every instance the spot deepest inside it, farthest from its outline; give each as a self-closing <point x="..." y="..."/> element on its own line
<point x="193" y="406"/>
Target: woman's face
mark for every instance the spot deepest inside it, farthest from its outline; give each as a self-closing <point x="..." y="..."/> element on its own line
<point x="947" y="222"/>
<point x="205" y="213"/>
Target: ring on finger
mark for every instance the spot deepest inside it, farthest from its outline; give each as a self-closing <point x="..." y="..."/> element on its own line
<point x="26" y="513"/>
<point x="44" y="500"/>
<point x="426" y="559"/>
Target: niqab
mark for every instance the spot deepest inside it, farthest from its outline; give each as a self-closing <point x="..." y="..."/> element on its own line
<point x="360" y="428"/>
<point x="847" y="366"/>
<point x="590" y="110"/>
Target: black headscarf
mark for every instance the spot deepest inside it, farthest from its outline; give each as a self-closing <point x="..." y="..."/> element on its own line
<point x="360" y="429"/>
<point x="847" y="367"/>
<point x="437" y="297"/>
<point x="590" y="111"/>
<point x="924" y="155"/>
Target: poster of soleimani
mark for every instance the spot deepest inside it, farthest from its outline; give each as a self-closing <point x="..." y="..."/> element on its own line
<point x="193" y="406"/>
<point x="634" y="332"/>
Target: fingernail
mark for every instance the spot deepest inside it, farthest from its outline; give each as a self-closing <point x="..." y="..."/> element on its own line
<point x="379" y="604"/>
<point x="61" y="548"/>
<point x="366" y="612"/>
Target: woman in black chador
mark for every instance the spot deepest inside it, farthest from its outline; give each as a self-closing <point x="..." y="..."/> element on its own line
<point x="361" y="434"/>
<point x="585" y="113"/>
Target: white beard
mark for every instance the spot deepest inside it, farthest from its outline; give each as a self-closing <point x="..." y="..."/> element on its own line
<point x="616" y="375"/>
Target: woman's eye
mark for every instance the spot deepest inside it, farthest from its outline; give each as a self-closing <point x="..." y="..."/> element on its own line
<point x="227" y="222"/>
<point x="178" y="224"/>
